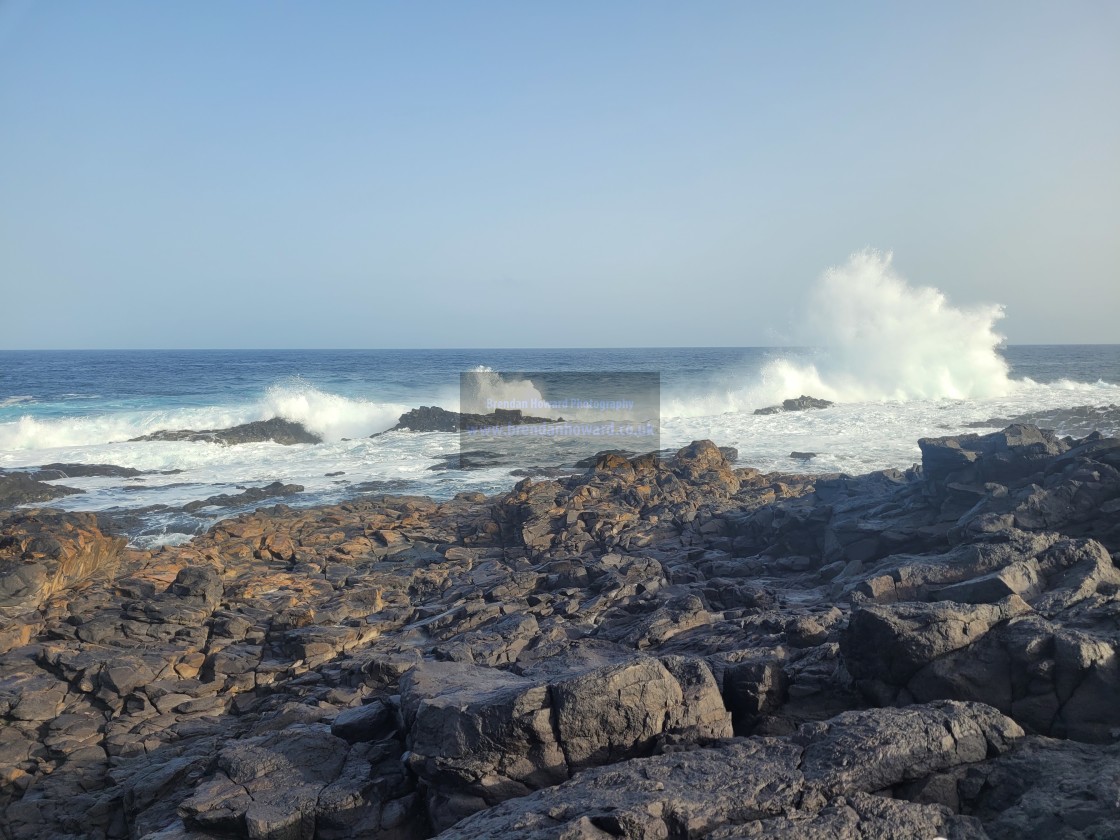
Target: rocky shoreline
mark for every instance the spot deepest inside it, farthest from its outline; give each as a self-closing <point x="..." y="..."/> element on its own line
<point x="655" y="647"/>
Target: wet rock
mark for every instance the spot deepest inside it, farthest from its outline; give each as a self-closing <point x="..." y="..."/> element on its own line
<point x="427" y="419"/>
<point x="57" y="471"/>
<point x="276" y="430"/>
<point x="24" y="488"/>
<point x="436" y="419"/>
<point x="802" y="403"/>
<point x="250" y="496"/>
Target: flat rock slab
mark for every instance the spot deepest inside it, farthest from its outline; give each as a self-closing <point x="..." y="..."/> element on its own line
<point x="479" y="736"/>
<point x="814" y="783"/>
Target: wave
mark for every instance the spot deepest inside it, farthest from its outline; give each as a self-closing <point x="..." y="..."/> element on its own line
<point x="485" y="388"/>
<point x="884" y="339"/>
<point x="331" y="416"/>
<point x="878" y="338"/>
<point x="19" y="399"/>
<point x="30" y="432"/>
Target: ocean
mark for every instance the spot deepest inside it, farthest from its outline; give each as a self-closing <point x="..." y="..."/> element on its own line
<point x="85" y="406"/>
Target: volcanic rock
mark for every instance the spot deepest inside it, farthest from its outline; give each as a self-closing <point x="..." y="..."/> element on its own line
<point x="436" y="419"/>
<point x="44" y="552"/>
<point x="249" y="496"/>
<point x="23" y="488"/>
<point x="276" y="430"/>
<point x="802" y="403"/>
<point x="815" y="783"/>
<point x="50" y="472"/>
<point x="481" y="736"/>
<point x="573" y="655"/>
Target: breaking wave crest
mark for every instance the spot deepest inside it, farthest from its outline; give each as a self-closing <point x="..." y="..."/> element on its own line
<point x="884" y="339"/>
<point x="331" y="416"/>
<point x="876" y="337"/>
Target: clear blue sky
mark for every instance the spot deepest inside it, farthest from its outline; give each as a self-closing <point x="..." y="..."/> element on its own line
<point x="458" y="174"/>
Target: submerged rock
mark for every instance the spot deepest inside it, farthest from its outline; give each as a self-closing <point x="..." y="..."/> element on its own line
<point x="249" y="496"/>
<point x="51" y="472"/>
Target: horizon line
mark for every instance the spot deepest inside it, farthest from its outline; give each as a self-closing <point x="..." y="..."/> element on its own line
<point x="483" y="349"/>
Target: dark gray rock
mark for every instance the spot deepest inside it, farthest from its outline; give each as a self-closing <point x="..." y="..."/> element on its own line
<point x="814" y="783"/>
<point x="1051" y="661"/>
<point x="1043" y="788"/>
<point x="25" y="488"/>
<point x="570" y="657"/>
<point x="50" y="472"/>
<point x="802" y="403"/>
<point x="368" y="722"/>
<point x="436" y="419"/>
<point x="201" y="582"/>
<point x="276" y="430"/>
<point x="1013" y="454"/>
<point x="250" y="496"/>
<point x="480" y="736"/>
<point x="269" y="785"/>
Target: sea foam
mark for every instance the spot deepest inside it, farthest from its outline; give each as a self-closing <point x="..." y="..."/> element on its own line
<point x="875" y="337"/>
<point x="882" y="338"/>
<point x="331" y="416"/>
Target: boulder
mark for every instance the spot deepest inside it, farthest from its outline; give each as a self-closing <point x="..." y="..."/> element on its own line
<point x="368" y="722"/>
<point x="1044" y="787"/>
<point x="1012" y="454"/>
<point x="892" y="642"/>
<point x="478" y="736"/>
<point x="1052" y="663"/>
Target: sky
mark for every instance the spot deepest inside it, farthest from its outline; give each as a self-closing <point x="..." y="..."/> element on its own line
<point x="546" y="174"/>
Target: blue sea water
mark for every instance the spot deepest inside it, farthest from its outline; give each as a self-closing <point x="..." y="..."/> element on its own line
<point x="50" y="384"/>
<point x="85" y="406"/>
